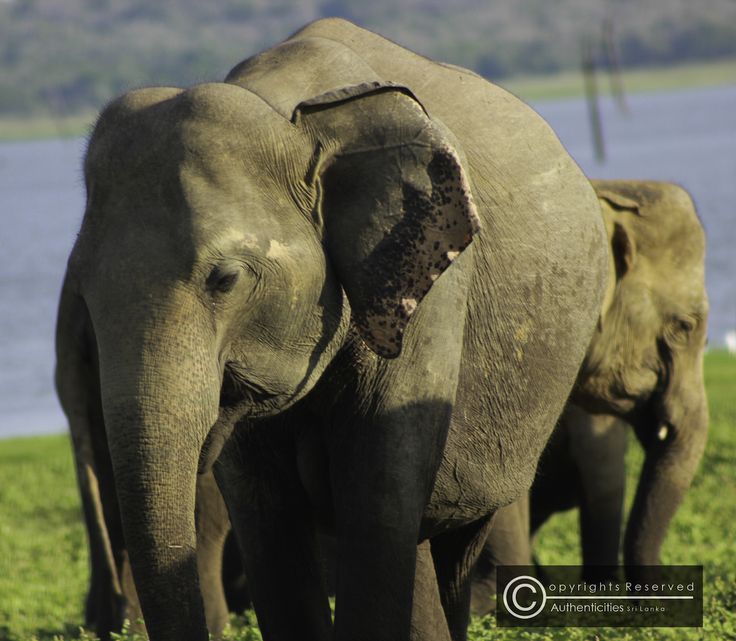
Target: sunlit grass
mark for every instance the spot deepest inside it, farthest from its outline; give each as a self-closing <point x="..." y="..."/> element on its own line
<point x="45" y="126"/>
<point x="570" y="84"/>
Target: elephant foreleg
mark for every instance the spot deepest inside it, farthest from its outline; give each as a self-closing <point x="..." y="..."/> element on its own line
<point x="213" y="526"/>
<point x="455" y="554"/>
<point x="598" y="447"/>
<point x="508" y="543"/>
<point x="105" y="602"/>
<point x="271" y="517"/>
<point x="428" y="621"/>
<point x="382" y="470"/>
<point x="234" y="581"/>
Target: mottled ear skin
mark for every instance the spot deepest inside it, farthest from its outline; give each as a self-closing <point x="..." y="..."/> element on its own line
<point x="397" y="205"/>
<point x="437" y="225"/>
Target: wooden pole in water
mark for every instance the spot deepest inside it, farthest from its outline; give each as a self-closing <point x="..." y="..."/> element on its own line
<point x="591" y="97"/>
<point x="614" y="66"/>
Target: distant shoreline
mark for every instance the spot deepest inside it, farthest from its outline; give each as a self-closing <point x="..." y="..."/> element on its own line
<point x="558" y="86"/>
<point x="569" y="84"/>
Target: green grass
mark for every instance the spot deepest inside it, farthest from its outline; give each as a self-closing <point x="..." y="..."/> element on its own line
<point x="45" y="126"/>
<point x="543" y="87"/>
<point x="570" y="83"/>
<point x="43" y="556"/>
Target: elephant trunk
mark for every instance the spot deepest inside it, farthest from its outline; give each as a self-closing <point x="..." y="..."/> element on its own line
<point x="673" y="453"/>
<point x="156" y="492"/>
<point x="159" y="404"/>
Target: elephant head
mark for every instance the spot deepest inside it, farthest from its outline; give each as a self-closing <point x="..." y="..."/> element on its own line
<point x="227" y="248"/>
<point x="645" y="362"/>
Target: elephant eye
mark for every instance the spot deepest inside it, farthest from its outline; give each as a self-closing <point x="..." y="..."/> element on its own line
<point x="684" y="325"/>
<point x="222" y="279"/>
<point x="680" y="329"/>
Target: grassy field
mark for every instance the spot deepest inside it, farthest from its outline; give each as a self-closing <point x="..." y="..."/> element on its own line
<point x="37" y="127"/>
<point x="565" y="85"/>
<point x="43" y="558"/>
<point x="529" y="88"/>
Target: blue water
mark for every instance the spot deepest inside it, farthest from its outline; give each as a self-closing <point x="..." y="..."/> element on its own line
<point x="688" y="137"/>
<point x="41" y="205"/>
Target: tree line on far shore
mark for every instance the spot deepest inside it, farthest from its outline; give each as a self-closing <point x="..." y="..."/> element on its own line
<point x="65" y="57"/>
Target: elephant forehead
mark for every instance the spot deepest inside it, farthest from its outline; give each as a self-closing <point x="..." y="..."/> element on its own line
<point x="234" y="210"/>
<point x="219" y="116"/>
<point x="683" y="293"/>
<point x="211" y="168"/>
<point x="221" y="130"/>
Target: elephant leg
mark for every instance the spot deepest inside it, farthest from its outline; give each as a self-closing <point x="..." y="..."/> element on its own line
<point x="598" y="447"/>
<point x="113" y="588"/>
<point x="213" y="525"/>
<point x="111" y="597"/>
<point x="382" y="470"/>
<point x="556" y="487"/>
<point x="455" y="554"/>
<point x="271" y="517"/>
<point x="428" y="621"/>
<point x="508" y="543"/>
<point x="104" y="604"/>
<point x="131" y="604"/>
<point x="234" y="581"/>
<point x="123" y="604"/>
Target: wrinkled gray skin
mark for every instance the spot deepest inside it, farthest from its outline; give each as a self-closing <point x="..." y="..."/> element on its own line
<point x="644" y="368"/>
<point x="252" y="251"/>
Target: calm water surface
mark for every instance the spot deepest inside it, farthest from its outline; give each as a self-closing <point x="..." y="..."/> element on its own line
<point x="688" y="137"/>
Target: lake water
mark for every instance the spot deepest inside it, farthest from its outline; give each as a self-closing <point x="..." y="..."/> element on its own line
<point x="688" y="137"/>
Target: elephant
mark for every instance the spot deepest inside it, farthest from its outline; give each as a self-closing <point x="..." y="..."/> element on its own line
<point x="644" y="369"/>
<point x="356" y="285"/>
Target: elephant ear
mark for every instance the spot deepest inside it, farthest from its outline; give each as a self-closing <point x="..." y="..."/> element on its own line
<point x="395" y="203"/>
<point x="623" y="247"/>
<point x="623" y="250"/>
<point x="618" y="201"/>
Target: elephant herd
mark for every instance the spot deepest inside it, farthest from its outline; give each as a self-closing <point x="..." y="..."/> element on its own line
<point x="363" y="309"/>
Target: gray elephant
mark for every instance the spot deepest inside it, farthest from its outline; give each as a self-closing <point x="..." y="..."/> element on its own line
<point x="644" y="368"/>
<point x="358" y="285"/>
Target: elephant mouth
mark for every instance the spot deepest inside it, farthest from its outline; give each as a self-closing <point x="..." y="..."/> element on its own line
<point x="241" y="396"/>
<point x="623" y="407"/>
